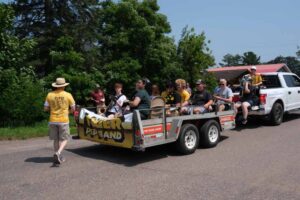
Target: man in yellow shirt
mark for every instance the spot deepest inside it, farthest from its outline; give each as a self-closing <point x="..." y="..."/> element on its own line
<point x="256" y="77"/>
<point x="59" y="102"/>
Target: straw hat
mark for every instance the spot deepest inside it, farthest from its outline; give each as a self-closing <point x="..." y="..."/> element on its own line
<point x="60" y="82"/>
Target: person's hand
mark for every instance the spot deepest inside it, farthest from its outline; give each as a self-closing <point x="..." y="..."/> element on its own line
<point x="206" y="106"/>
<point x="216" y="97"/>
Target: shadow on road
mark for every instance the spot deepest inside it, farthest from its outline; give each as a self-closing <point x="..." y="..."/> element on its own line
<point x="128" y="157"/>
<point x="291" y="117"/>
<point x="40" y="160"/>
<point x="122" y="156"/>
<point x="256" y="122"/>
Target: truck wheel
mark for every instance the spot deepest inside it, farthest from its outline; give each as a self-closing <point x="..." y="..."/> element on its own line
<point x="188" y="140"/>
<point x="276" y="114"/>
<point x="210" y="133"/>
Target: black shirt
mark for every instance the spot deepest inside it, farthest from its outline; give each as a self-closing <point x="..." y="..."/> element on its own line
<point x="200" y="98"/>
<point x="249" y="96"/>
<point x="173" y="98"/>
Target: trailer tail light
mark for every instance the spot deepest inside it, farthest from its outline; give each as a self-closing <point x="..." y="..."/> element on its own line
<point x="263" y="99"/>
<point x="236" y="98"/>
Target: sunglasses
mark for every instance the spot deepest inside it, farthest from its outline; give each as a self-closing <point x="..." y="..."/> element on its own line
<point x="221" y="84"/>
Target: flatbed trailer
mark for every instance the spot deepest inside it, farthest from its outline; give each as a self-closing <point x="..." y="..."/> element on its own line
<point x="186" y="131"/>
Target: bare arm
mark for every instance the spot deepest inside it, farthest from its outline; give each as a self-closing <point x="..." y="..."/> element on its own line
<point x="135" y="102"/>
<point x="209" y="103"/>
<point x="46" y="108"/>
<point x="246" y="89"/>
<point x="185" y="103"/>
<point x="72" y="110"/>
<point x="229" y="100"/>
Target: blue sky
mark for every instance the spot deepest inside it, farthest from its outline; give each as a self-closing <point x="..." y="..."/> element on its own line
<point x="267" y="27"/>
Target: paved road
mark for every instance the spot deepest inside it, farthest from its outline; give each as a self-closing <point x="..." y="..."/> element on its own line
<point x="256" y="162"/>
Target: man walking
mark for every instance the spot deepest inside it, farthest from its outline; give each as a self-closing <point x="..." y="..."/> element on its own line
<point x="59" y="102"/>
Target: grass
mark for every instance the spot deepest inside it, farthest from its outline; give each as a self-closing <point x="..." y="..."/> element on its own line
<point x="40" y="129"/>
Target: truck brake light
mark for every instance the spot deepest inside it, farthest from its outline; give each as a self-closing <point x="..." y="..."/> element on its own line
<point x="263" y="99"/>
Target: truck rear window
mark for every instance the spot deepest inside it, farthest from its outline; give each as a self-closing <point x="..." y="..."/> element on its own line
<point x="271" y="81"/>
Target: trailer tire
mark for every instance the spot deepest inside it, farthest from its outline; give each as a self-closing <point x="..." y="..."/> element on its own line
<point x="276" y="115"/>
<point x="210" y="134"/>
<point x="188" y="139"/>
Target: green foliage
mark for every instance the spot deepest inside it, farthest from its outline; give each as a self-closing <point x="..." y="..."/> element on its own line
<point x="133" y="32"/>
<point x="124" y="70"/>
<point x="194" y="54"/>
<point x="232" y="60"/>
<point x="13" y="51"/>
<point x="250" y="58"/>
<point x="22" y="98"/>
<point x="210" y="81"/>
<point x="39" y="129"/>
<point x="64" y="57"/>
<point x="46" y="21"/>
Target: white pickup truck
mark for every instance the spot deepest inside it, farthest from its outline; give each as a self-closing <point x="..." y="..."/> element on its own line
<point x="279" y="94"/>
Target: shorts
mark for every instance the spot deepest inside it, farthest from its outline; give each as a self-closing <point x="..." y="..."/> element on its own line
<point x="201" y="109"/>
<point x="59" y="132"/>
<point x="251" y="102"/>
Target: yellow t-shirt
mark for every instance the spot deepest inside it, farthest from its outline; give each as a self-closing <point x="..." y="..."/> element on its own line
<point x="185" y="95"/>
<point x="256" y="79"/>
<point x="59" y="102"/>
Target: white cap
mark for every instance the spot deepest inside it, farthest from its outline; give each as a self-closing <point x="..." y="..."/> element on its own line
<point x="253" y="67"/>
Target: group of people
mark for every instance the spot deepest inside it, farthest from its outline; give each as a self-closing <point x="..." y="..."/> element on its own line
<point x="176" y="95"/>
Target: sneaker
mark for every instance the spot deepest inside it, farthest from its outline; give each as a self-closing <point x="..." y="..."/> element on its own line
<point x="56" y="158"/>
<point x="61" y="158"/>
<point x="244" y="121"/>
<point x="254" y="108"/>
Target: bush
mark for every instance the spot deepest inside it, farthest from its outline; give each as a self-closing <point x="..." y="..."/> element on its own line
<point x="22" y="98"/>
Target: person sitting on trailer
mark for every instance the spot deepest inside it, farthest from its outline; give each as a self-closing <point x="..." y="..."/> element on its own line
<point x="117" y="101"/>
<point x="141" y="99"/>
<point x="223" y="95"/>
<point x="184" y="94"/>
<point x="201" y="100"/>
<point x="248" y="98"/>
<point x="172" y="99"/>
<point x="155" y="91"/>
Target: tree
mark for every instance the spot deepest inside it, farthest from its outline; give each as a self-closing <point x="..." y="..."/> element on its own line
<point x="133" y="32"/>
<point x="14" y="52"/>
<point x="231" y="60"/>
<point x="193" y="54"/>
<point x="292" y="62"/>
<point x="48" y="20"/>
<point x="21" y="92"/>
<point x="250" y="58"/>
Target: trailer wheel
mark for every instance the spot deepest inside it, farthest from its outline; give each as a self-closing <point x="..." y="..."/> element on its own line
<point x="276" y="114"/>
<point x="210" y="134"/>
<point x="188" y="140"/>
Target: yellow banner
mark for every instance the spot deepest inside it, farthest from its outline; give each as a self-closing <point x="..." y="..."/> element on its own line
<point x="112" y="132"/>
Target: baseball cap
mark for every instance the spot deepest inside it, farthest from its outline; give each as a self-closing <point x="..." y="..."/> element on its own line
<point x="253" y="68"/>
<point x="199" y="81"/>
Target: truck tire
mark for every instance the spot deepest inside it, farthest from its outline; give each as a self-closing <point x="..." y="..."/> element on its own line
<point x="188" y="140"/>
<point x="276" y="115"/>
<point x="210" y="134"/>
